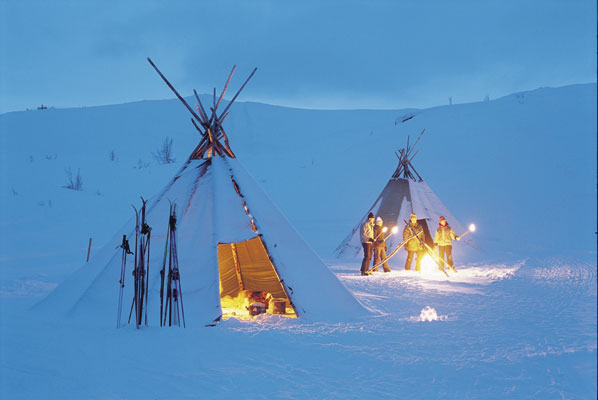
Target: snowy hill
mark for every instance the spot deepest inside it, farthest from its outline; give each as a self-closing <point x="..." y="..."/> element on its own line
<point x="518" y="166"/>
<point x="519" y="321"/>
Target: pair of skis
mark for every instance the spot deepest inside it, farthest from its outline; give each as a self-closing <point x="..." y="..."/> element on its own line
<point x="143" y="233"/>
<point x="171" y="306"/>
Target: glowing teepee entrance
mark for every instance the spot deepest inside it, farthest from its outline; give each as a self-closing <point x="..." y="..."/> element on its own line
<point x="249" y="282"/>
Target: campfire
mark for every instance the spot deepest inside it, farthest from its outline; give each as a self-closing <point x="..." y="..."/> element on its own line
<point x="429" y="266"/>
<point x="250" y="303"/>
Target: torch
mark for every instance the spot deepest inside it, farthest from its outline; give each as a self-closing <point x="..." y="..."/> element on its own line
<point x="392" y="232"/>
<point x="384" y="229"/>
<point x="470" y="229"/>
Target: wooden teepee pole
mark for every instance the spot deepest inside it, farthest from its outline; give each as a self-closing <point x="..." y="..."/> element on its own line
<point x="238" y="92"/>
<point x="225" y="87"/>
<point x="419" y="137"/>
<point x="174" y="90"/>
<point x="200" y="108"/>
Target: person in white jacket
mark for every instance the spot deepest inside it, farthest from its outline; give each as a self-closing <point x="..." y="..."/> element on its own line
<point x="367" y="241"/>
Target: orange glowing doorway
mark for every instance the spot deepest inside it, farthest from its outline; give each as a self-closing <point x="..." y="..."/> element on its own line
<point x="247" y="276"/>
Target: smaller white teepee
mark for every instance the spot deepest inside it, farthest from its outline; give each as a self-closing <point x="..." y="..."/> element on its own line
<point x="405" y="193"/>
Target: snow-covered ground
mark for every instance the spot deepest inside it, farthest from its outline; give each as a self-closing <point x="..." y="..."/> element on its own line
<point x="517" y="321"/>
<point x="516" y="330"/>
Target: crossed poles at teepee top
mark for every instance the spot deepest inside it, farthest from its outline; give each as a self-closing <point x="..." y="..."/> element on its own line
<point x="405" y="158"/>
<point x="210" y="127"/>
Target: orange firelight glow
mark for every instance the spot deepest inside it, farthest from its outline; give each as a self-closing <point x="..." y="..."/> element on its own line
<point x="429" y="267"/>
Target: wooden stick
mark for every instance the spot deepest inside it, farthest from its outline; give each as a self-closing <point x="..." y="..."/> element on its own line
<point x="174" y="90"/>
<point x="237" y="94"/>
<point x="214" y="102"/>
<point x="200" y="108"/>
<point x="226" y="145"/>
<point x="221" y="120"/>
<point x="197" y="127"/>
<point x="205" y="122"/>
<point x="411" y="159"/>
<point x="414" y="170"/>
<point x="213" y="117"/>
<point x="225" y="86"/>
<point x="419" y="137"/>
<point x="88" y="250"/>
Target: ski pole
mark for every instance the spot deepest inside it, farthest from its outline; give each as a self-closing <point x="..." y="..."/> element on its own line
<point x="162" y="271"/>
<point x="126" y="250"/>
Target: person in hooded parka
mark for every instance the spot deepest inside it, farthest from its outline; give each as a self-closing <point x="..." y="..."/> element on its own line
<point x="444" y="240"/>
<point x="414" y="245"/>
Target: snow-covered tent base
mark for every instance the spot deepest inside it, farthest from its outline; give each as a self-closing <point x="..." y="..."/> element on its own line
<point x="235" y="252"/>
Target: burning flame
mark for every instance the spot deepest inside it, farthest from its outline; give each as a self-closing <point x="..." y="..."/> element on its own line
<point x="428" y="266"/>
<point x="384" y="229"/>
<point x="238" y="306"/>
<point x="471" y="228"/>
<point x="395" y="229"/>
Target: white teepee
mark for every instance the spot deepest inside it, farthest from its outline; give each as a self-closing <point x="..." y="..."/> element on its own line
<point x="405" y="193"/>
<point x="230" y="238"/>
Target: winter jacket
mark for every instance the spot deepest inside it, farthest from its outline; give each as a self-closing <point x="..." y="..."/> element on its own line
<point x="367" y="232"/>
<point x="444" y="236"/>
<point x="379" y="237"/>
<point x="413" y="244"/>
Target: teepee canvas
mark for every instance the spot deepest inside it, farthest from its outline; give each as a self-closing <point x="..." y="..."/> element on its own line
<point x="232" y="241"/>
<point x="405" y="193"/>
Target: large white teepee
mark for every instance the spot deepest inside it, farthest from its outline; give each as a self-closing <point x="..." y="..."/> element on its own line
<point x="405" y="193"/>
<point x="230" y="238"/>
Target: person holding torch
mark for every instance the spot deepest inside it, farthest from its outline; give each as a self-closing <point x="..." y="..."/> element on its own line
<point x="380" y="245"/>
<point x="414" y="245"/>
<point x="444" y="240"/>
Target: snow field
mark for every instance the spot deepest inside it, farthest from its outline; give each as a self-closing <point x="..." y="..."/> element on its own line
<point x="517" y="321"/>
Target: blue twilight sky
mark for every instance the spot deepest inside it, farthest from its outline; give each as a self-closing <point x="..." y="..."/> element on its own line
<point x="315" y="54"/>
